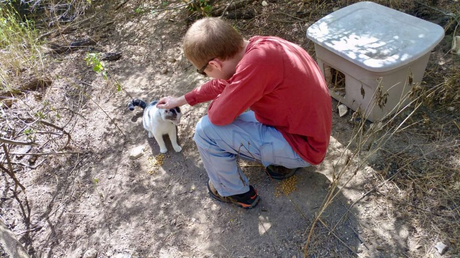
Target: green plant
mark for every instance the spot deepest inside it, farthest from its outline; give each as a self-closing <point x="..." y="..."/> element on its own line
<point x="40" y="115"/>
<point x="202" y="7"/>
<point x="93" y="59"/>
<point x="118" y="85"/>
<point x="29" y="133"/>
<point x="140" y="9"/>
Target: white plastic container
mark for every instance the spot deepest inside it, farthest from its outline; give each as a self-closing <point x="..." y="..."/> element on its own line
<point x="372" y="55"/>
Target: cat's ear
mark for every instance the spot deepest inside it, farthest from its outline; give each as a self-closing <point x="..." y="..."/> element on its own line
<point x="131" y="106"/>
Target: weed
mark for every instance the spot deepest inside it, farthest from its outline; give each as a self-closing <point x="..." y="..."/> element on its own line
<point x="118" y="85"/>
<point x="19" y="47"/>
<point x="451" y="92"/>
<point x="28" y="131"/>
<point x="93" y="59"/>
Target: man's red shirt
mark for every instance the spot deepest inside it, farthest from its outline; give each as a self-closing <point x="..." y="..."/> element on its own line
<point x="285" y="88"/>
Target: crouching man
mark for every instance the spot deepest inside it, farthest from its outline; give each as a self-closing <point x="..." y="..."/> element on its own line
<point x="288" y="124"/>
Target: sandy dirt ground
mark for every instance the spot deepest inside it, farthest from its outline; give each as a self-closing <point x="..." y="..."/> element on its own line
<point x="97" y="200"/>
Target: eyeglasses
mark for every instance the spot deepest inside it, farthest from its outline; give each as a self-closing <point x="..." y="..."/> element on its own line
<point x="201" y="71"/>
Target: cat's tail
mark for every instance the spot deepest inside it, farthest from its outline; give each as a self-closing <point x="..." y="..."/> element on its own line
<point x="138" y="103"/>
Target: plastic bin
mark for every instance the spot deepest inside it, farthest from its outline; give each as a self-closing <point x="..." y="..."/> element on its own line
<point x="372" y="55"/>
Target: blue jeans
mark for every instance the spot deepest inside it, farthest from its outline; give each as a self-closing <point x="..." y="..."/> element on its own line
<point x="246" y="137"/>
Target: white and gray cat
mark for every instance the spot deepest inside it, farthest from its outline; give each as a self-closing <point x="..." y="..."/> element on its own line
<point x="158" y="122"/>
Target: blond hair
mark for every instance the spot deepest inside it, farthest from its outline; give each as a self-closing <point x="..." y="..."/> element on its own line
<point x="210" y="38"/>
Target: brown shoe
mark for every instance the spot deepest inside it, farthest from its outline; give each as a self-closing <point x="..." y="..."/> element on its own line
<point x="247" y="200"/>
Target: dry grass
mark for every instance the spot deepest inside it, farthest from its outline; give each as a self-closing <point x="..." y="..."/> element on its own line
<point x="428" y="173"/>
<point x="425" y="175"/>
<point x="20" y="50"/>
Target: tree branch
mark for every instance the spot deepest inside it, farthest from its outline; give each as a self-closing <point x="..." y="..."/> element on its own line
<point x="9" y="141"/>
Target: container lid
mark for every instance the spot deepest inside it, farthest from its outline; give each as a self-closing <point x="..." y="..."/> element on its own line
<point x="375" y="37"/>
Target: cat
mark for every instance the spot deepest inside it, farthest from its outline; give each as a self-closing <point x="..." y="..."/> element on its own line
<point x="158" y="122"/>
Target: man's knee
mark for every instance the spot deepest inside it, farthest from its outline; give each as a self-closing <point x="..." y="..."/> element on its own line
<point x="202" y="127"/>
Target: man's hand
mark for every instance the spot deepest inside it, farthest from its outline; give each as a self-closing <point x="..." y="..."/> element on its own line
<point x="171" y="102"/>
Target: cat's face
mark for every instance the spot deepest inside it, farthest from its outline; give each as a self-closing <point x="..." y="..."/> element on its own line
<point x="173" y="115"/>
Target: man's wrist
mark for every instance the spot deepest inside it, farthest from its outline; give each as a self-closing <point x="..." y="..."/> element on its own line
<point x="182" y="101"/>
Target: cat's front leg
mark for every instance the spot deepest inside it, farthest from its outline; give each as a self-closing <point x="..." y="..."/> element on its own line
<point x="173" y="137"/>
<point x="161" y="142"/>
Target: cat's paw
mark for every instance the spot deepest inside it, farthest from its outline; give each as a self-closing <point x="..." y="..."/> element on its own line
<point x="163" y="150"/>
<point x="177" y="148"/>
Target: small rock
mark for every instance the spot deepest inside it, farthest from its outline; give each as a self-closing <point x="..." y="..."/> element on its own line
<point x="451" y="109"/>
<point x="136" y="152"/>
<point x="264" y="3"/>
<point x="82" y="43"/>
<point x="32" y="159"/>
<point x="343" y="110"/>
<point x="441" y="247"/>
<point x="376" y="126"/>
<point x="22" y="151"/>
<point x="91" y="253"/>
<point x="340" y="93"/>
<point x="111" y="56"/>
